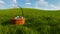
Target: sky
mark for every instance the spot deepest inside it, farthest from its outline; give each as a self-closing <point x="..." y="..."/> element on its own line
<point x="39" y="4"/>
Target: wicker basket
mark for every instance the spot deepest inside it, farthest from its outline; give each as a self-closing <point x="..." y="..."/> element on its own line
<point x="18" y="21"/>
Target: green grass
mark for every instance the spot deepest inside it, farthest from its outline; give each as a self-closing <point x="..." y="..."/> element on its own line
<point x="37" y="21"/>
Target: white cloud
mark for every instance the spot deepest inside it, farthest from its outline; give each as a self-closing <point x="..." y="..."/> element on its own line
<point x="2" y="2"/>
<point x="14" y="1"/>
<point x="53" y="6"/>
<point x="28" y="3"/>
<point x="14" y="4"/>
<point x="43" y="2"/>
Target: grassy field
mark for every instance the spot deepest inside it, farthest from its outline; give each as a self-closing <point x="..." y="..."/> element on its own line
<point x="37" y="21"/>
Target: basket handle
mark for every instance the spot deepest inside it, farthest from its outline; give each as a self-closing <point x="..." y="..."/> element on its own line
<point x="22" y="14"/>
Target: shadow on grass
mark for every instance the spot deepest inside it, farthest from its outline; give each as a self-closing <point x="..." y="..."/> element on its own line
<point x="18" y="31"/>
<point x="8" y="22"/>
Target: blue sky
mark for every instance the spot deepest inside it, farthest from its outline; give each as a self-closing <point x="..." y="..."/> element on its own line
<point x="39" y="4"/>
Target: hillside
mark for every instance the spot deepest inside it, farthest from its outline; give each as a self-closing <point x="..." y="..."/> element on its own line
<point x="37" y="21"/>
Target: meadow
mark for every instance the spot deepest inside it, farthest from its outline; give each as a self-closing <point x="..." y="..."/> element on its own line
<point x="37" y="21"/>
